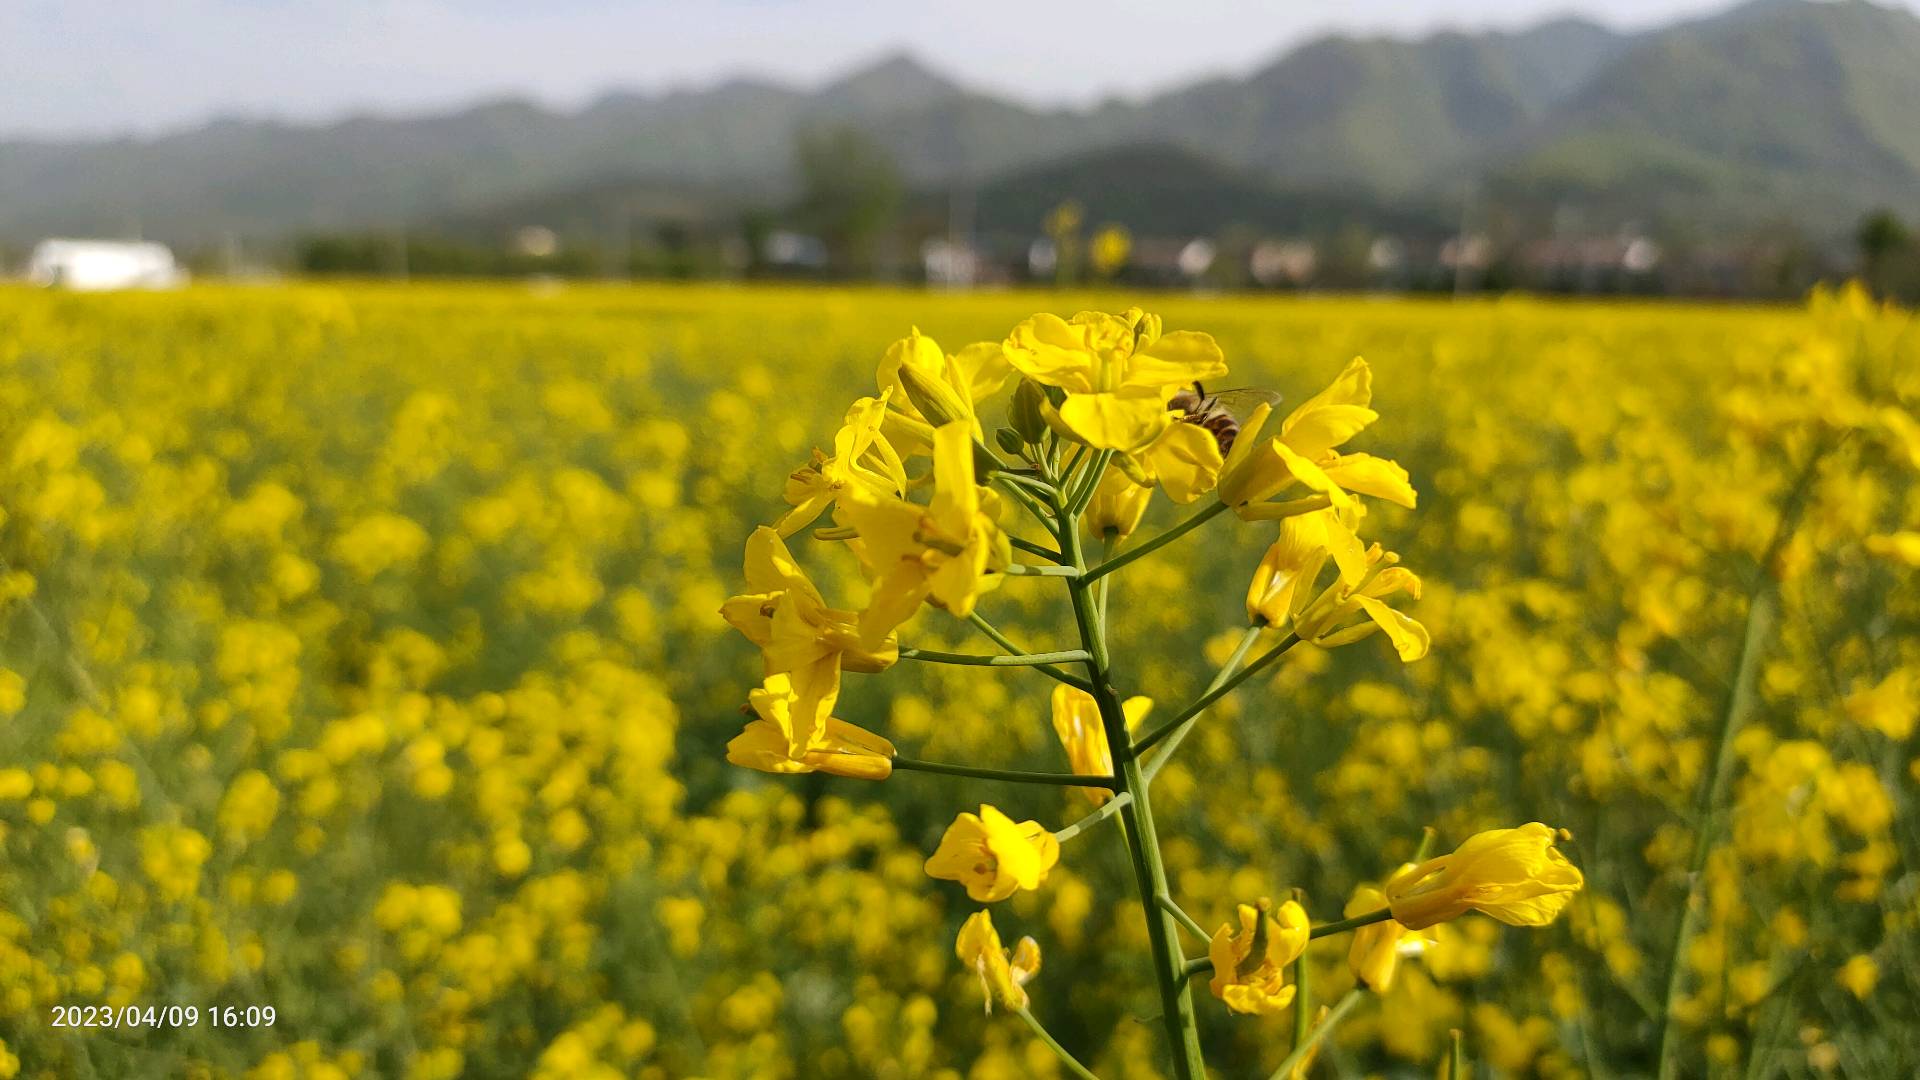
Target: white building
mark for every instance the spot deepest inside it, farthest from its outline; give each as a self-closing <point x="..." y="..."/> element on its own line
<point x="104" y="264"/>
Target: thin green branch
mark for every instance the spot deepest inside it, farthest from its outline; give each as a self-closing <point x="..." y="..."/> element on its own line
<point x="1222" y="689"/>
<point x="1457" y="1057"/>
<point x="1030" y="570"/>
<point x="1032" y="548"/>
<point x="1317" y="1035"/>
<point x="1206" y="514"/>
<point x="1059" y="1051"/>
<point x="1226" y="672"/>
<point x="1303" y="989"/>
<point x="934" y="656"/>
<point x="1344" y="925"/>
<point x="1017" y="776"/>
<point x="1107" y="809"/>
<point x="1192" y="925"/>
<point x="1088" y="483"/>
<point x="1202" y="965"/>
<point x="980" y="623"/>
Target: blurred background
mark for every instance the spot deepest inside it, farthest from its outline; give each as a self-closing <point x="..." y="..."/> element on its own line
<point x="1653" y="147"/>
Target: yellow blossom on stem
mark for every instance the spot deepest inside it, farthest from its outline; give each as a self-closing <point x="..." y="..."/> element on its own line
<point x="993" y="856"/>
<point x="1076" y="719"/>
<point x="1184" y="461"/>
<point x="1119" y="372"/>
<point x="1003" y="974"/>
<point x="949" y="551"/>
<point x="1303" y="452"/>
<point x="1514" y="875"/>
<point x="862" y="460"/>
<point x="957" y="382"/>
<point x="791" y="734"/>
<point x="793" y="626"/>
<point x="1117" y="505"/>
<point x="1250" y="962"/>
<point x="1326" y="621"/>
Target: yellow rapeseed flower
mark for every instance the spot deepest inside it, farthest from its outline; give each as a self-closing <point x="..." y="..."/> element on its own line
<point x="948" y="552"/>
<point x="1514" y="875"/>
<point x="993" y="856"/>
<point x="863" y="460"/>
<point x="795" y="735"/>
<point x="1304" y="451"/>
<point x="796" y="631"/>
<point x="1119" y="372"/>
<point x="916" y="363"/>
<point x="1076" y="719"/>
<point x="1250" y="962"/>
<point x="1003" y="974"/>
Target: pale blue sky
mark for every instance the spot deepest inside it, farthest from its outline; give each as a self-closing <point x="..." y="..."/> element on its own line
<point x="71" y="67"/>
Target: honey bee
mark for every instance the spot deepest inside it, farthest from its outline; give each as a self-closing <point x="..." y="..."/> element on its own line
<point x="1221" y="413"/>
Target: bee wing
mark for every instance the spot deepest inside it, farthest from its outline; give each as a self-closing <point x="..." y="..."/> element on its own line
<point x="1241" y="402"/>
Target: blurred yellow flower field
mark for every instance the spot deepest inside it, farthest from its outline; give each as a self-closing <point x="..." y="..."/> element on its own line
<point x="361" y="658"/>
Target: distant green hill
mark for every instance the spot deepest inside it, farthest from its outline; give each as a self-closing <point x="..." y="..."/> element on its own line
<point x="1781" y="108"/>
<point x="1812" y="108"/>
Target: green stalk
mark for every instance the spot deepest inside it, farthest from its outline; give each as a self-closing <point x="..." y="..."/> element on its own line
<point x="980" y="623"/>
<point x="1017" y="776"/>
<point x="1205" y="515"/>
<point x="1107" y="809"/>
<point x="1226" y="672"/>
<point x="1150" y="876"/>
<point x="1762" y="609"/>
<point x="1191" y="924"/>
<point x="1221" y="689"/>
<point x="934" y="656"/>
<point x="1457" y="1057"/>
<point x="1318" y="1034"/>
<point x="1355" y="923"/>
<point x="1072" y="1064"/>
<point x="1303" y="989"/>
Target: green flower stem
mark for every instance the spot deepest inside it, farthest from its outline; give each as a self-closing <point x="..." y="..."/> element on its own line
<point x="1205" y="515"/>
<point x="1199" y="966"/>
<point x="1456" y="1057"/>
<point x="1031" y="570"/>
<point x="1303" y="989"/>
<point x="980" y="622"/>
<point x="1032" y="548"/>
<point x="1026" y="498"/>
<point x="1084" y="493"/>
<point x="1017" y="776"/>
<point x="1031" y="483"/>
<point x="933" y="656"/>
<point x="1221" y="689"/>
<point x="1143" y="844"/>
<point x="1059" y="1051"/>
<point x="1193" y="925"/>
<point x="1344" y="925"/>
<point x="1107" y="809"/>
<point x="1763" y="604"/>
<point x="1318" y="1034"/>
<point x="1226" y="672"/>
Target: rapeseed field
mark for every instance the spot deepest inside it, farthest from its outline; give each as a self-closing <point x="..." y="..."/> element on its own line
<point x="366" y="688"/>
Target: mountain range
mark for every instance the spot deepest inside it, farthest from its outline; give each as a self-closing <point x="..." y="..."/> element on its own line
<point x="1775" y="110"/>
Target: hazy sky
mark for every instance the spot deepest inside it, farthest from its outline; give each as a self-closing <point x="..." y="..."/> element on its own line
<point x="70" y="67"/>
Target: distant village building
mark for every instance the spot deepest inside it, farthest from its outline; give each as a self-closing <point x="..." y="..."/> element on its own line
<point x="93" y="265"/>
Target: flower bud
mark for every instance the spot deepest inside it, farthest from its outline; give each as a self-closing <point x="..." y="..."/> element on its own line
<point x="1026" y="413"/>
<point x="938" y="402"/>
<point x="1009" y="440"/>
